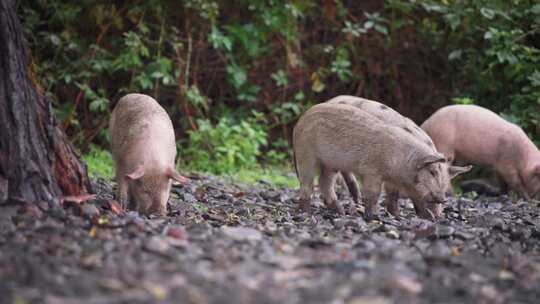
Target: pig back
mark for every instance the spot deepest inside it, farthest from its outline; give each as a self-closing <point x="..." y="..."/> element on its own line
<point x="386" y="114"/>
<point x="346" y="137"/>
<point x="140" y="127"/>
<point x="475" y="134"/>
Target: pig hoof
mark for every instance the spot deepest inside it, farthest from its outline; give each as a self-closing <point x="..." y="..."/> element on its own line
<point x="305" y="208"/>
<point x="123" y="203"/>
<point x="426" y="214"/>
<point x="352" y="210"/>
<point x="337" y="208"/>
<point x="370" y="216"/>
<point x="436" y="211"/>
<point x="393" y="211"/>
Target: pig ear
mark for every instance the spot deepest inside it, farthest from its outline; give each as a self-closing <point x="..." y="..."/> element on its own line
<point x="454" y="171"/>
<point x="172" y="173"/>
<point x="137" y="173"/>
<point x="430" y="159"/>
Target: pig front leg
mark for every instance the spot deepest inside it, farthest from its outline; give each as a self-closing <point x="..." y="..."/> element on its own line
<point x="392" y="199"/>
<point x="422" y="211"/>
<point x="436" y="210"/>
<point x="122" y="191"/>
<point x="306" y="173"/>
<point x="371" y="191"/>
<point x="326" y="183"/>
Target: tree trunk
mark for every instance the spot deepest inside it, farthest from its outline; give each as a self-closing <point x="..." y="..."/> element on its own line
<point x="37" y="163"/>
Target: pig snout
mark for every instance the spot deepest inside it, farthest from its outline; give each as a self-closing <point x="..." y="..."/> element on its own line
<point x="436" y="198"/>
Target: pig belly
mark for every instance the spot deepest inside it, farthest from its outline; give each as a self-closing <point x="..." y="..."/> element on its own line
<point x="346" y="161"/>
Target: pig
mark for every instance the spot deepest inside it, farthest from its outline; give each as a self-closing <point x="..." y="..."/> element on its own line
<point x="390" y="116"/>
<point x="143" y="149"/>
<point x="341" y="138"/>
<point x="477" y="135"/>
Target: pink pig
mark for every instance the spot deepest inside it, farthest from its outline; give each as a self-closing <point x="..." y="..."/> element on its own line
<point x="143" y="149"/>
<point x="474" y="134"/>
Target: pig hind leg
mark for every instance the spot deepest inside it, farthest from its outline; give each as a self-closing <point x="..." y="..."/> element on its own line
<point x="326" y="183"/>
<point x="307" y="169"/>
<point x="514" y="182"/>
<point x="391" y="201"/>
<point x="371" y="189"/>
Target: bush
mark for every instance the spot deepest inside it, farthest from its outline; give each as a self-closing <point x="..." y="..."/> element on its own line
<point x="202" y="58"/>
<point x="494" y="51"/>
<point x="99" y="163"/>
<point x="225" y="147"/>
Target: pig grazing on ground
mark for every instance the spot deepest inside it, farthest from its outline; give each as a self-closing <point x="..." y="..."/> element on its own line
<point x="341" y="138"/>
<point x="390" y="116"/>
<point x="473" y="134"/>
<point x="143" y="149"/>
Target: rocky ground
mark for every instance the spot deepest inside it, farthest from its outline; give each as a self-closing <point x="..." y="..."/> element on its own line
<point x="224" y="243"/>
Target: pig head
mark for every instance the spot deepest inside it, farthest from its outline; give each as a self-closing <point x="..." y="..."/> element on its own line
<point x="149" y="187"/>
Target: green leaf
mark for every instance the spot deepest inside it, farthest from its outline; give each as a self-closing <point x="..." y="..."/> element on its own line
<point x="281" y="78"/>
<point x="237" y="75"/>
<point x="456" y="54"/>
<point x="535" y="78"/>
<point x="381" y="29"/>
<point x="453" y="20"/>
<point x="488" y="13"/>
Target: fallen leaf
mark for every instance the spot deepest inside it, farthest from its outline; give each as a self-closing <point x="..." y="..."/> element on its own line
<point x="77" y="199"/>
<point x="157" y="291"/>
<point x="103" y="220"/>
<point x="177" y="232"/>
<point x="92" y="232"/>
<point x="239" y="194"/>
<point x="115" y="207"/>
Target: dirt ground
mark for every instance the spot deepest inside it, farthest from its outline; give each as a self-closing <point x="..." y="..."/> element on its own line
<point x="226" y="243"/>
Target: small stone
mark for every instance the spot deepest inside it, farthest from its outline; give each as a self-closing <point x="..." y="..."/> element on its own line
<point x="464" y="235"/>
<point x="157" y="244"/>
<point x="392" y="233"/>
<point x="32" y="211"/>
<point x="407" y="284"/>
<point x="425" y="232"/>
<point x="498" y="223"/>
<point x="475" y="277"/>
<point x="439" y="251"/>
<point x="445" y="231"/>
<point x="489" y="292"/>
<point x="370" y="300"/>
<point x="242" y="233"/>
<point x="89" y="210"/>
<point x="506" y="275"/>
<point x="176" y="232"/>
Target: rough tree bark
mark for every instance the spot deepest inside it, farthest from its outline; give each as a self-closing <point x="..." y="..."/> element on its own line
<point x="37" y="163"/>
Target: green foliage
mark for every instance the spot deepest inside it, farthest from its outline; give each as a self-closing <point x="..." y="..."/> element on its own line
<point x="99" y="163"/>
<point x="226" y="146"/>
<point x="210" y="63"/>
<point x="495" y="47"/>
<point x="278" y="176"/>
